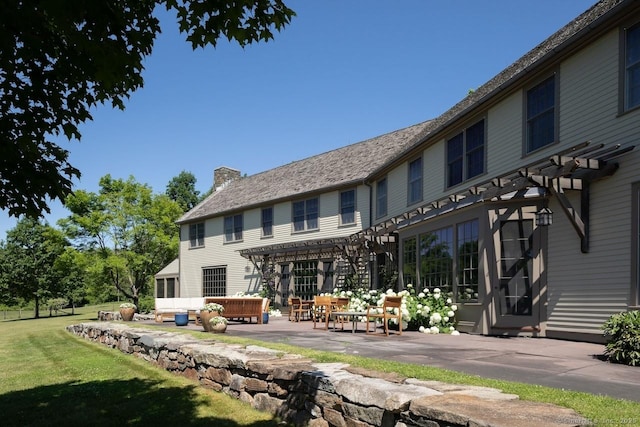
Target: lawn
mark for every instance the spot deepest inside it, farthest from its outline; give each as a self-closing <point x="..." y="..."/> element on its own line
<point x="50" y="377"/>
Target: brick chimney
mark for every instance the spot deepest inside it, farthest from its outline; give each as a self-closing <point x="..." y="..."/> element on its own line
<point x="223" y="176"/>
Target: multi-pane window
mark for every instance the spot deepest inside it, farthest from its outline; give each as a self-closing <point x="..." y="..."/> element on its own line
<point x="415" y="181"/>
<point x="233" y="225"/>
<point x="409" y="258"/>
<point x="381" y="198"/>
<point x="267" y="222"/>
<point x="446" y="258"/>
<point x="214" y="281"/>
<point x="541" y="115"/>
<point x="305" y="276"/>
<point x="305" y="215"/>
<point x="166" y="287"/>
<point x="436" y="259"/>
<point x="196" y="235"/>
<point x="632" y="68"/>
<point x="348" y="207"/>
<point x="465" y="154"/>
<point x="467" y="243"/>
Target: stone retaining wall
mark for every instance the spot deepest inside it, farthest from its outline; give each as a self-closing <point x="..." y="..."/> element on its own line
<point x="305" y="393"/>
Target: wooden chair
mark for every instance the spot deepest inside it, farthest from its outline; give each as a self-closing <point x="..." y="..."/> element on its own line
<point x="298" y="309"/>
<point x="339" y="304"/>
<point x="389" y="308"/>
<point x="321" y="310"/>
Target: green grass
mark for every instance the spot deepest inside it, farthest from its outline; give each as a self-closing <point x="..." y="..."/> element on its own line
<point x="601" y="410"/>
<point x="48" y="376"/>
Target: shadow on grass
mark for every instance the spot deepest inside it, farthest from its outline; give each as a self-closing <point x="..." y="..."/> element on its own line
<point x="108" y="403"/>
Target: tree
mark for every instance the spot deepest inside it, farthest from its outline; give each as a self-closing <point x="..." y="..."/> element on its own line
<point x="60" y="59"/>
<point x="29" y="256"/>
<point x="72" y="268"/>
<point x="182" y="189"/>
<point x="131" y="231"/>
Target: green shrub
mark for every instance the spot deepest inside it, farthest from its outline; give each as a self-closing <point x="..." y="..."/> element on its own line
<point x="624" y="343"/>
<point x="146" y="304"/>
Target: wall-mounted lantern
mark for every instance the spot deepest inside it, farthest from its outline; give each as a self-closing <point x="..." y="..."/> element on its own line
<point x="544" y="217"/>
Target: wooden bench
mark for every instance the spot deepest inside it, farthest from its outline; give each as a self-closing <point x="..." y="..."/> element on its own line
<point x="241" y="307"/>
<point x="166" y="308"/>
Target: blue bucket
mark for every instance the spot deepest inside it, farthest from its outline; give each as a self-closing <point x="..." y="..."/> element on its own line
<point x="265" y="317"/>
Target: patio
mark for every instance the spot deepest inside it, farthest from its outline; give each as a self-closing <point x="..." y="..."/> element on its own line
<point x="548" y="362"/>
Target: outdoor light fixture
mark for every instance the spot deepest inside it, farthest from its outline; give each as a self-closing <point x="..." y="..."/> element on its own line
<point x="544" y="216"/>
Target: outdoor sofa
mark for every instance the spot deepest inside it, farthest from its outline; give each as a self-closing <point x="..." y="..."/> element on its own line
<point x="244" y="308"/>
<point x="166" y="308"/>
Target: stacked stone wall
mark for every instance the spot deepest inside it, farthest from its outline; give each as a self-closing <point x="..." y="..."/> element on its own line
<point x="304" y="393"/>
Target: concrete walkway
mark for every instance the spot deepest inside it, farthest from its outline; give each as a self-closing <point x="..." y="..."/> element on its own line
<point x="548" y="362"/>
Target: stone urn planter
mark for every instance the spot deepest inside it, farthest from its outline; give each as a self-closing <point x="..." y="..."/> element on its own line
<point x="208" y="312"/>
<point x="127" y="311"/>
<point x="218" y="324"/>
<point x="205" y="317"/>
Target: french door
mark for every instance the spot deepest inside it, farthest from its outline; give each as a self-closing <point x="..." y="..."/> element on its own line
<point x="516" y="280"/>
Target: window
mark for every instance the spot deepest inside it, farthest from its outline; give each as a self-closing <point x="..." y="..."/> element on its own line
<point x="196" y="235"/>
<point x="415" y="181"/>
<point x="305" y="215"/>
<point x="465" y="154"/>
<point x="166" y="287"/>
<point x="267" y="222"/>
<point x="409" y="261"/>
<point x="381" y="198"/>
<point x="214" y="281"/>
<point x="348" y="207"/>
<point x="446" y="258"/>
<point x="436" y="259"/>
<point x="467" y="244"/>
<point x="305" y="276"/>
<point x="632" y="68"/>
<point x="233" y="228"/>
<point x="541" y="115"/>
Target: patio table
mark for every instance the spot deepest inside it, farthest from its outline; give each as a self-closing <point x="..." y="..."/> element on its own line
<point x="350" y="315"/>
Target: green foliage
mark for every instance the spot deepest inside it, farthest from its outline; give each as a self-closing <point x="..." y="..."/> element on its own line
<point x="624" y="342"/>
<point x="217" y="320"/>
<point x="182" y="190"/>
<point x="428" y="312"/>
<point x="58" y="60"/>
<point x="126" y="231"/>
<point x="146" y="304"/>
<point x="213" y="306"/>
<point x="28" y="263"/>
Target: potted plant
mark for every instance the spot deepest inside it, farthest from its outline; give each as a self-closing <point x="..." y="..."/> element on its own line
<point x="208" y="311"/>
<point x="127" y="310"/>
<point x="218" y="324"/>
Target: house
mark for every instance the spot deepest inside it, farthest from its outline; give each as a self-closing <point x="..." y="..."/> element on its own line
<point x="292" y="221"/>
<point x="522" y="201"/>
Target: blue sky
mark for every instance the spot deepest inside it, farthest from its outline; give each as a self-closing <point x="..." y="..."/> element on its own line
<point x="343" y="71"/>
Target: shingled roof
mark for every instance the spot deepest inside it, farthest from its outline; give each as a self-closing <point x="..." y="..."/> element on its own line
<point x="334" y="169"/>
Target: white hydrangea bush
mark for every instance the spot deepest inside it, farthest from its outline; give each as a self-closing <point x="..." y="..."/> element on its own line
<point x="428" y="311"/>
